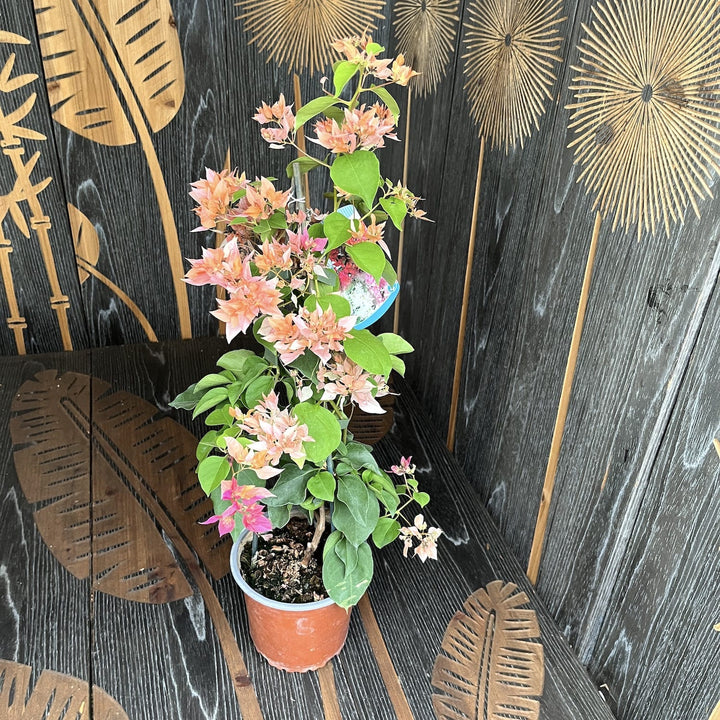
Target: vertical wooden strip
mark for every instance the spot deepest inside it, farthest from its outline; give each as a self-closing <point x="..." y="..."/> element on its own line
<point x="384" y="661"/>
<point x="549" y="484"/>
<point x="716" y="443"/>
<point x="301" y="136"/>
<point x="452" y="421"/>
<point x="401" y="240"/>
<point x="331" y="707"/>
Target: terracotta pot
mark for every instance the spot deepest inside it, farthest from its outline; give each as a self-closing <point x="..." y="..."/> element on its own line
<point x="295" y="637"/>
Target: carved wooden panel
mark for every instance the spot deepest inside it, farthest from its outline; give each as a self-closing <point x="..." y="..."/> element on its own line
<point x="54" y="697"/>
<point x="491" y="665"/>
<point x="135" y="453"/>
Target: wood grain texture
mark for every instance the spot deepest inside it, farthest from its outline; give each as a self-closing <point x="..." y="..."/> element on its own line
<point x="656" y="647"/>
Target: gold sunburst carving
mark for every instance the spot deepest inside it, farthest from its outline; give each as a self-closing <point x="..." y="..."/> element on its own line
<point x="425" y="32"/>
<point x="647" y="108"/>
<point x="511" y="53"/>
<point x="299" y="32"/>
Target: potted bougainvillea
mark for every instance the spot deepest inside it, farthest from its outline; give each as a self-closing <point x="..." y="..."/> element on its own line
<point x="301" y="498"/>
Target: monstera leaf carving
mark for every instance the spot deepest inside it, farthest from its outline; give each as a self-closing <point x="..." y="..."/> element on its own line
<point x="491" y="665"/>
<point x="114" y="73"/>
<point x="140" y="463"/>
<point x="54" y="696"/>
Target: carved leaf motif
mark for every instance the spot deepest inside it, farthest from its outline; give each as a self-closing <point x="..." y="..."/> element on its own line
<point x="82" y="93"/>
<point x="491" y="665"/>
<point x="137" y="458"/>
<point x="54" y="696"/>
<point x="85" y="239"/>
<point x="146" y="40"/>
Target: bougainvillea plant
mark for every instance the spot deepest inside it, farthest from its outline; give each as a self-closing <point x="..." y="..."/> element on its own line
<point x="278" y="437"/>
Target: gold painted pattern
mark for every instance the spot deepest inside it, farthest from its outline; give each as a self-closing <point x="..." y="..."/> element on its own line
<point x="510" y="55"/>
<point x="646" y="109"/>
<point x="299" y="32"/>
<point x="26" y="190"/>
<point x="425" y="34"/>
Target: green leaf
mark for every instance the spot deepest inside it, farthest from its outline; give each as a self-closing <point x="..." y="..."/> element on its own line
<point x="372" y="48"/>
<point x="220" y="416"/>
<point x="368" y="257"/>
<point x="234" y="391"/>
<point x="210" y="399"/>
<point x="344" y="71"/>
<point x="368" y="352"/>
<point x="290" y="488"/>
<point x="306" y="363"/>
<point x="356" y="510"/>
<point x="316" y="230"/>
<point x="421" y="498"/>
<point x="358" y="173"/>
<point x="322" y="486"/>
<point x="235" y="360"/>
<point x="211" y="380"/>
<point x="347" y="571"/>
<point x="386" y="531"/>
<point x="212" y="471"/>
<point x="389" y="274"/>
<point x="360" y="456"/>
<point x="305" y="163"/>
<point x="323" y="428"/>
<point x="395" y="344"/>
<point x="280" y="515"/>
<point x="278" y="220"/>
<point x="398" y="365"/>
<point x="388" y="99"/>
<point x="313" y="108"/>
<point x="337" y="230"/>
<point x="335" y="113"/>
<point x="206" y="444"/>
<point x="396" y="209"/>
<point x="340" y="306"/>
<point x="258" y="388"/>
<point x="328" y="278"/>
<point x="187" y="399"/>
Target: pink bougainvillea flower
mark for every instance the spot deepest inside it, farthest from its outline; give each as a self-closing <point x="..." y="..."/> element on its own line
<point x="427" y="538"/>
<point x="323" y="332"/>
<point x="208" y="270"/>
<point x="254" y="519"/>
<point x="259" y="461"/>
<point x="400" y="73"/>
<point x="250" y="296"/>
<point x="345" y="378"/>
<point x="225" y="521"/>
<point x="337" y="139"/>
<point x="284" y="334"/>
<point x="214" y="195"/>
<point x="273" y="256"/>
<point x="261" y="202"/>
<point x="405" y="467"/>
<point x="243" y="494"/>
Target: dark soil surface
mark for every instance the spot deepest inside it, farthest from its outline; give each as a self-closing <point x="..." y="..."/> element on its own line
<point x="278" y="571"/>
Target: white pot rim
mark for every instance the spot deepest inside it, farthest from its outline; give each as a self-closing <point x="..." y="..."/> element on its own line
<point x="255" y="595"/>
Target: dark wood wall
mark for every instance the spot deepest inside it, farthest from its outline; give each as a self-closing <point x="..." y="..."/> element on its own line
<point x="630" y="565"/>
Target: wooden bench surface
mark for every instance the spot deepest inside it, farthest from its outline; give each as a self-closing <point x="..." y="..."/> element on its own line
<point x="96" y="480"/>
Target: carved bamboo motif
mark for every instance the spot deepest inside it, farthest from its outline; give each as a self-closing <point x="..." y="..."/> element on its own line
<point x="11" y="136"/>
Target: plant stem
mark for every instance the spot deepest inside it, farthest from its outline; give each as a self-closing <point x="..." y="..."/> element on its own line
<point x="317" y="536"/>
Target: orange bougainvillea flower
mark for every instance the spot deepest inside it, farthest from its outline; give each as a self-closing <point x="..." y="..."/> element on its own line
<point x="214" y="195"/>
